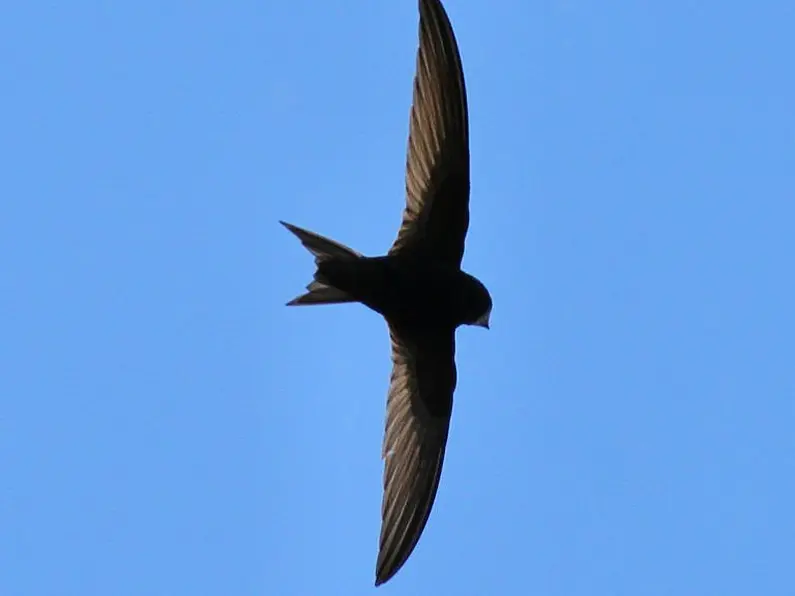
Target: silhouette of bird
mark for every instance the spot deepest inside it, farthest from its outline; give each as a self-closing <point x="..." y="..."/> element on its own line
<point x="418" y="287"/>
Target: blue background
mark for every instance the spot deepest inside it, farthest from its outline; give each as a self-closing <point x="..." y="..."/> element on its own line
<point x="167" y="426"/>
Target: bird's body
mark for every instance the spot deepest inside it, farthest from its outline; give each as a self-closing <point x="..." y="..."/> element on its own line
<point x="407" y="291"/>
<point x="418" y="287"/>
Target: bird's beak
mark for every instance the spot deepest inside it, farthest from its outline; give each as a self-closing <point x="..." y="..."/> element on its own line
<point x="483" y="321"/>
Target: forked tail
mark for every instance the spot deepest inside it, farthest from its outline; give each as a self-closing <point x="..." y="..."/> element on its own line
<point x="325" y="250"/>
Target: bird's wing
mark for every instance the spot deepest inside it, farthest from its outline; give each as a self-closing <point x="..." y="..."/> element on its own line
<point x="418" y="417"/>
<point x="436" y="216"/>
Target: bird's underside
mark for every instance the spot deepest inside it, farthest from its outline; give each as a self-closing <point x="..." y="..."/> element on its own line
<point x="408" y="291"/>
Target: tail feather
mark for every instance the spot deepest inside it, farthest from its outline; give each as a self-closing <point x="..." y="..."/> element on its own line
<point x="324" y="249"/>
<point x="320" y="293"/>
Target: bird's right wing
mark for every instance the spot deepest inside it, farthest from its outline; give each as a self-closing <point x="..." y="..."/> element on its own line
<point x="419" y="406"/>
<point x="436" y="217"/>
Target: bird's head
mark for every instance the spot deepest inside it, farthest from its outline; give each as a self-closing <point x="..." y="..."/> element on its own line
<point x="478" y="304"/>
<point x="483" y="320"/>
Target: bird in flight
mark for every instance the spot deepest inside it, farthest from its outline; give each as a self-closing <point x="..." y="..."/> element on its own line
<point x="418" y="287"/>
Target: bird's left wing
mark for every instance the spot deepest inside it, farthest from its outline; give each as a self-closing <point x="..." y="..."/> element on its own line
<point x="419" y="406"/>
<point x="436" y="217"/>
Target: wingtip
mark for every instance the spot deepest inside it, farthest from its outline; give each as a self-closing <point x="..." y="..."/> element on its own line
<point x="385" y="571"/>
<point x="380" y="579"/>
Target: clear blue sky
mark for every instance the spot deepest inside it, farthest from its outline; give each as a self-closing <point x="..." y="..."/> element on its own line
<point x="168" y="427"/>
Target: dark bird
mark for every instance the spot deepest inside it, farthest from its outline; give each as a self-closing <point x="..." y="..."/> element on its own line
<point x="418" y="287"/>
